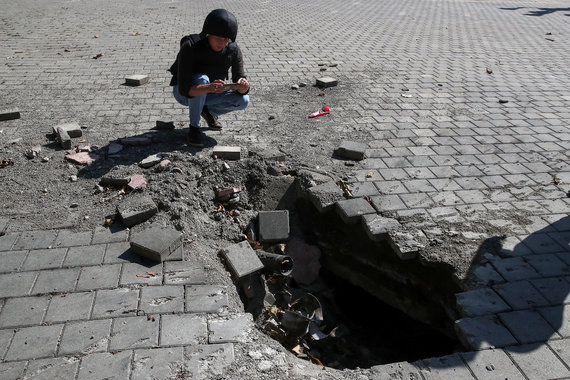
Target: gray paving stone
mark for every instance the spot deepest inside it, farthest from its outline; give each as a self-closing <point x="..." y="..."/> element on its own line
<point x="160" y="363"/>
<point x="208" y="361"/>
<point x="562" y="349"/>
<point x="36" y="239"/>
<point x="185" y="272"/>
<point x="99" y="277"/>
<point x="230" y="329"/>
<point x="241" y="259"/>
<point x="450" y="366"/>
<point x="521" y="295"/>
<point x="136" y="79"/>
<point x="44" y="259"/>
<point x="68" y="238"/>
<point x="183" y="329"/>
<point x="518" y="323"/>
<point x="491" y="364"/>
<point x="388" y="202"/>
<point x="7" y="241"/>
<point x="273" y="226"/>
<point x="135" y="273"/>
<point x="156" y="242"/>
<point x="5" y="339"/>
<point x="227" y="152"/>
<point x="23" y="311"/>
<point x="327" y="82"/>
<point x="73" y="129"/>
<point x="352" y="210"/>
<point x="85" y="337"/>
<point x="558" y="317"/>
<point x="87" y="255"/>
<point x="70" y="307"/>
<point x="377" y="226"/>
<point x="136" y="209"/>
<point x="478" y="302"/>
<point x="537" y="361"/>
<point x="120" y="253"/>
<point x="407" y="243"/>
<point x="206" y="298"/>
<point x="105" y="365"/>
<point x="162" y="299"/>
<point x="548" y="265"/>
<point x="12" y="260"/>
<point x="401" y="370"/>
<point x="364" y="189"/>
<point x="134" y="332"/>
<point x="325" y="195"/>
<point x="3" y="225"/>
<point x="115" y="302"/>
<point x="479" y="333"/>
<point x="486" y="275"/>
<point x="34" y="342"/>
<point x="112" y="234"/>
<point x="555" y="289"/>
<point x="16" y="284"/>
<point x="351" y="150"/>
<point x="11" y="114"/>
<point x="56" y="281"/>
<point x="541" y="243"/>
<point x="54" y="368"/>
<point x="13" y="370"/>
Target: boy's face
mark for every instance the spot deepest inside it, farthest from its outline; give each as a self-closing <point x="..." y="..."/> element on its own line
<point x="217" y="43"/>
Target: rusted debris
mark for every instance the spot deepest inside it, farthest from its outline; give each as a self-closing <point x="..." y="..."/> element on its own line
<point x="6" y="162"/>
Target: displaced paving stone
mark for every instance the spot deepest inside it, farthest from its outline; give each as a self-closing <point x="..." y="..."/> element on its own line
<point x="151" y="160"/>
<point x="136" y="80"/>
<point x="11" y="114"/>
<point x="227" y="193"/>
<point x="352" y="150"/>
<point x="407" y="243"/>
<point x="63" y="138"/>
<point x="206" y="298"/>
<point x="117" y="180"/>
<point x="230" y="329"/>
<point x="160" y="363"/>
<point x="227" y="152"/>
<point x="242" y="259"/>
<point x="325" y="195"/>
<point x="183" y="329"/>
<point x="377" y="226"/>
<point x="273" y="226"/>
<point x="209" y="361"/>
<point x="82" y="158"/>
<point x="137" y="182"/>
<point x="85" y="337"/>
<point x="105" y="365"/>
<point x="136" y="209"/>
<point x="73" y="130"/>
<point x="327" y="82"/>
<point x="53" y="368"/>
<point x="185" y="272"/>
<point x="351" y="210"/>
<point x="480" y="333"/>
<point x="134" y="332"/>
<point x="34" y="342"/>
<point x="164" y="125"/>
<point x="157" y="242"/>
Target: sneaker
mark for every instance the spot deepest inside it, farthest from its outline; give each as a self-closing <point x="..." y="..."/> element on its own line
<point x="195" y="137"/>
<point x="211" y="120"/>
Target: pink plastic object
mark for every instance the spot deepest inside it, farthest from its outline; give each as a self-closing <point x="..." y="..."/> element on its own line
<point x="324" y="111"/>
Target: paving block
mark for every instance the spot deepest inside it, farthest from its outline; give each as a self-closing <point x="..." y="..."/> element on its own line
<point x="134" y="332"/>
<point x="111" y="234"/>
<point x="68" y="238"/>
<point x="85" y="337"/>
<point x="136" y="79"/>
<point x="12" y="260"/>
<point x="326" y="82"/>
<point x="16" y="284"/>
<point x="352" y="150"/>
<point x="5" y="339"/>
<point x="558" y="317"/>
<point x="377" y="226"/>
<point x="208" y="361"/>
<point x="521" y="295"/>
<point x="121" y="253"/>
<point x="242" y="259"/>
<point x="44" y="259"/>
<point x="206" y="298"/>
<point x="99" y="277"/>
<point x="162" y="299"/>
<point x="401" y="370"/>
<point x="479" y="333"/>
<point x="85" y="255"/>
<point x="141" y="273"/>
<point x="115" y="180"/>
<point x="555" y="289"/>
<point x="494" y="364"/>
<point x="537" y="361"/>
<point x="115" y="302"/>
<point x="105" y="365"/>
<point x="69" y="307"/>
<point x="227" y="152"/>
<point x="230" y="329"/>
<point x="36" y="240"/>
<point x="478" y="302"/>
<point x="160" y="363"/>
<point x="34" y="343"/>
<point x="273" y="226"/>
<point x="445" y="367"/>
<point x="515" y="269"/>
<point x="183" y="329"/>
<point x="73" y="130"/>
<point x="53" y="368"/>
<point x="151" y="160"/>
<point x="325" y="195"/>
<point x="518" y="323"/>
<point x="352" y="210"/>
<point x="157" y="242"/>
<point x="407" y="243"/>
<point x="184" y="272"/>
<point x="10" y="114"/>
<point x="562" y="349"/>
<point x="23" y="311"/>
<point x="164" y="125"/>
<point x="56" y="281"/>
<point x="136" y="209"/>
<point x="63" y="138"/>
<point x="12" y="370"/>
<point x="8" y="240"/>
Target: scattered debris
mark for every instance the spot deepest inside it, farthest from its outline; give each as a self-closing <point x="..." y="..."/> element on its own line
<point x="227" y="193"/>
<point x="275" y="263"/>
<point x="82" y="158"/>
<point x="324" y="111"/>
<point x="151" y="160"/>
<point x="556" y="180"/>
<point x="503" y="101"/>
<point x="33" y="152"/>
<point x="137" y="182"/>
<point x="489" y="71"/>
<point x="6" y="162"/>
<point x="9" y="115"/>
<point x="98" y="56"/>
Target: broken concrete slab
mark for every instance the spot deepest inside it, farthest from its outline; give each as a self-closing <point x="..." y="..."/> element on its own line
<point x="72" y="129"/>
<point x="136" y="80"/>
<point x="377" y="226"/>
<point x="242" y="259"/>
<point x="82" y="158"/>
<point x="273" y="226"/>
<point x="351" y="210"/>
<point x="407" y="243"/>
<point x="137" y="182"/>
<point x="157" y="242"/>
<point x="352" y="150"/>
<point x="327" y="82"/>
<point x="136" y="209"/>
<point x="227" y="152"/>
<point x="325" y="195"/>
<point x="151" y="160"/>
<point x="9" y="114"/>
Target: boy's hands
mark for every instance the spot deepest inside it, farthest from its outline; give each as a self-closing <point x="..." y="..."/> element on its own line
<point x="243" y="85"/>
<point x="217" y="86"/>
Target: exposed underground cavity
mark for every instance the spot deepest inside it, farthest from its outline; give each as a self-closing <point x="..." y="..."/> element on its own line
<point x="331" y="295"/>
